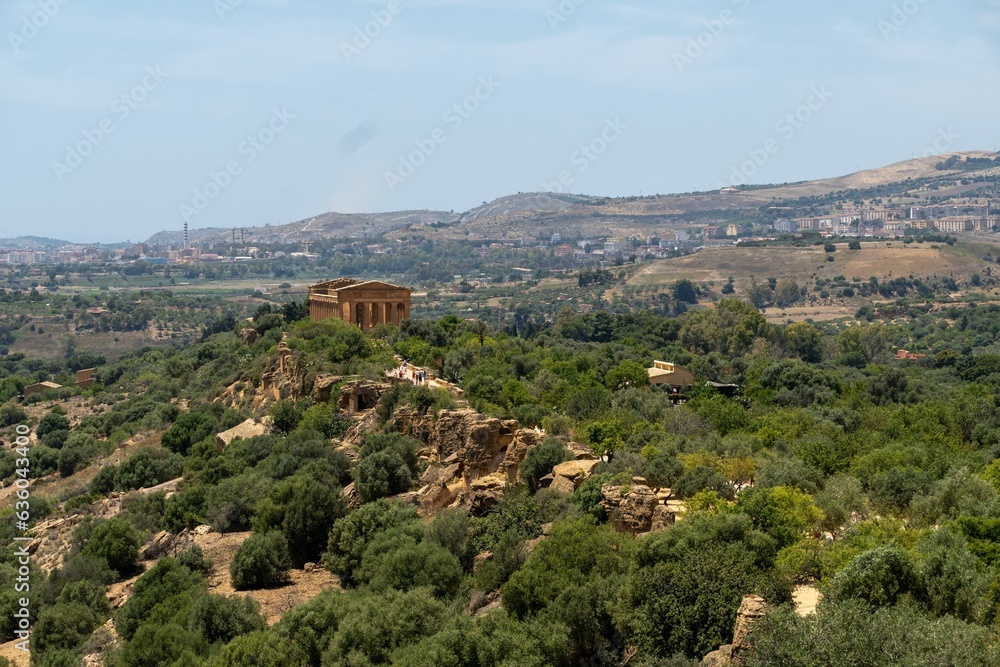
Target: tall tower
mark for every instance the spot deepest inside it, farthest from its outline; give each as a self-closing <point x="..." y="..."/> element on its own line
<point x="185" y="235"/>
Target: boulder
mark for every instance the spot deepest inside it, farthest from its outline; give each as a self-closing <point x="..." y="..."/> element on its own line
<point x="575" y="471"/>
<point x="630" y="508"/>
<point x="562" y="485"/>
<point x="158" y="546"/>
<point x="663" y="518"/>
<point x="248" y="336"/>
<point x="486" y="493"/>
<point x="752" y="609"/>
<point x="248" y="429"/>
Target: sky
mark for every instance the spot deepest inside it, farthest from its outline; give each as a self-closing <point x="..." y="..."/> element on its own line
<point x="121" y="119"/>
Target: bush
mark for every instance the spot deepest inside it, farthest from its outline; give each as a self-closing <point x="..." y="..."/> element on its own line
<point x="159" y="594"/>
<point x="117" y="542"/>
<point x="286" y="415"/>
<point x="147" y="467"/>
<point x="878" y="577"/>
<point x="260" y="562"/>
<point x="104" y="481"/>
<point x="702" y="478"/>
<point x="541" y="459"/>
<point x="220" y="619"/>
<point x="351" y="535"/>
<point x="11" y="415"/>
<point x="259" y="649"/>
<point x="388" y="466"/>
<point x="62" y="626"/>
<point x="852" y="634"/>
<point x="194" y="560"/>
<point x="90" y="594"/>
<point x="396" y="561"/>
<point x="52" y="422"/>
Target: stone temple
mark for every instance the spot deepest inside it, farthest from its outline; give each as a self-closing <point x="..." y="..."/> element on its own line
<point x="366" y="304"/>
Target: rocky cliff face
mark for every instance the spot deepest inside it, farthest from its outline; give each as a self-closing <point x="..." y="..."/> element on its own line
<point x="472" y="458"/>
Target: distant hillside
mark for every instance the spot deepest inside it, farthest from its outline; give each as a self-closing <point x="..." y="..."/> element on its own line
<point x="528" y="214"/>
<point x="32" y="242"/>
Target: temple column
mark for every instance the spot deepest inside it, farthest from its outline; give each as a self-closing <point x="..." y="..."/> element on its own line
<point x="366" y="316"/>
<point x="347" y="312"/>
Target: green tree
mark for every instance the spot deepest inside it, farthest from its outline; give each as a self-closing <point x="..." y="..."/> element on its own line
<point x="117" y="542"/>
<point x="260" y="562"/>
<point x="540" y="460"/>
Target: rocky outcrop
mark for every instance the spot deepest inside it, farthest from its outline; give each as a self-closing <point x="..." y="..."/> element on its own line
<point x="361" y="395"/>
<point x="567" y="477"/>
<point x="323" y="387"/>
<point x="251" y="428"/>
<point x="638" y="508"/>
<point x="249" y="336"/>
<point x="472" y="458"/>
<point x="752" y="609"/>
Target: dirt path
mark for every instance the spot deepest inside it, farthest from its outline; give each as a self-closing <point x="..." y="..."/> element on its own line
<point x="806" y="600"/>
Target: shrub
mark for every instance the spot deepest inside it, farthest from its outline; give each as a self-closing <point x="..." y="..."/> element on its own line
<point x="261" y="561"/>
<point x="540" y="460"/>
<point x="877" y="577"/>
<point x="104" y="481"/>
<point x="388" y="466"/>
<point x="396" y="561"/>
<point x="159" y="594"/>
<point x="351" y="535"/>
<point x="702" y="478"/>
<point x="52" y="422"/>
<point x="219" y="618"/>
<point x="117" y="542"/>
<point x="286" y="415"/>
<point x="194" y="560"/>
<point x="259" y="649"/>
<point x="90" y="594"/>
<point x="147" y="467"/>
<point x="62" y="626"/>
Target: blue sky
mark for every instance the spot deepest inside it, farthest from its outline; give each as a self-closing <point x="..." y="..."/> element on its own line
<point x="124" y="118"/>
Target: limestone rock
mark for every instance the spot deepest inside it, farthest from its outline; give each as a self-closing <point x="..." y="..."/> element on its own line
<point x="722" y="657"/>
<point x="630" y="508"/>
<point x="562" y="485"/>
<point x="360" y="395"/>
<point x="248" y="429"/>
<point x="663" y="518"/>
<point x="752" y="609"/>
<point x="575" y="471"/>
<point x="323" y="387"/>
<point x="486" y="492"/>
<point x="158" y="546"/>
<point x="248" y="336"/>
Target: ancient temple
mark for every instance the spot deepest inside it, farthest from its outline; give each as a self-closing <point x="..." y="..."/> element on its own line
<point x="366" y="304"/>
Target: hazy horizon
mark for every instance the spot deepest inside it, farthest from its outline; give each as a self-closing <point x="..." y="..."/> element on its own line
<point x="123" y="121"/>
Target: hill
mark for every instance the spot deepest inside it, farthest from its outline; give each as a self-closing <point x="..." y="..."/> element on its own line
<point x="881" y="260"/>
<point x="533" y="214"/>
